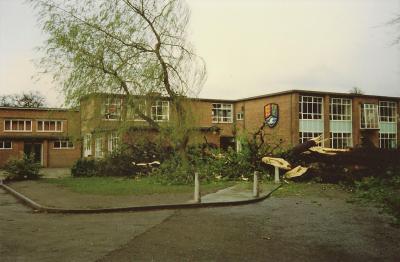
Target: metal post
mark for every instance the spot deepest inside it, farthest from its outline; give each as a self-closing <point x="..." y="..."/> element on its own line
<point x="197" y="197"/>
<point x="277" y="175"/>
<point x="256" y="191"/>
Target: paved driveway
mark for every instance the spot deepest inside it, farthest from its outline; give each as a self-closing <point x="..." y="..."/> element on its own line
<point x="294" y="228"/>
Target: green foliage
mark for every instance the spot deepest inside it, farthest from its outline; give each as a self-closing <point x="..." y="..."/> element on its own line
<point x="84" y="168"/>
<point x="22" y="169"/>
<point x="385" y="191"/>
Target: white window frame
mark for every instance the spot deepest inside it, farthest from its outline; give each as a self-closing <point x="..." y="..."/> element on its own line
<point x="3" y="145"/>
<point x="303" y="138"/>
<point x="64" y="144"/>
<point x="113" y="142"/>
<point x="240" y="115"/>
<point x="307" y="103"/>
<point x="218" y="110"/>
<point x="107" y="103"/>
<point x="339" y="137"/>
<point x="342" y="104"/>
<point x="157" y="111"/>
<point x="386" y="137"/>
<point x="87" y="145"/>
<point x="98" y="149"/>
<point x="17" y="120"/>
<point x="49" y="121"/>
<point x="368" y="110"/>
<point x="389" y="105"/>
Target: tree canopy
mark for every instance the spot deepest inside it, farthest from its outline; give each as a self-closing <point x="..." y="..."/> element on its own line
<point x="29" y="99"/>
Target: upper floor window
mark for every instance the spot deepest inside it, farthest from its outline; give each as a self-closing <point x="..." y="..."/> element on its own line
<point x="63" y="144"/>
<point x="310" y="107"/>
<point x="49" y="125"/>
<point x="340" y="109"/>
<point x="112" y="108"/>
<point x="222" y="113"/>
<point x="369" y="116"/>
<point x="132" y="111"/>
<point x="113" y="142"/>
<point x="18" y="125"/>
<point x="160" y="111"/>
<point x="387" y="111"/>
<point x="5" y="144"/>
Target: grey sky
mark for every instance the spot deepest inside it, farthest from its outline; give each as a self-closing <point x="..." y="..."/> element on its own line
<point x="252" y="47"/>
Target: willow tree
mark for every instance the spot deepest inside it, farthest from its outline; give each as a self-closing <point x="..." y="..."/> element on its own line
<point x="136" y="48"/>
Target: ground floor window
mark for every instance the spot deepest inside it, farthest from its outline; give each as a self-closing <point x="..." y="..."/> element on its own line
<point x="63" y="144"/>
<point x="388" y="140"/>
<point x="341" y="140"/>
<point x="5" y="144"/>
<point x="113" y="141"/>
<point x="305" y="136"/>
<point x="87" y="145"/>
<point x="99" y="147"/>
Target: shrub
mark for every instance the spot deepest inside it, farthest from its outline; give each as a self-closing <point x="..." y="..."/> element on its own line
<point x="84" y="168"/>
<point x="22" y="169"/>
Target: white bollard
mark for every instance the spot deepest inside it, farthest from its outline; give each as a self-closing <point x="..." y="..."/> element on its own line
<point x="197" y="197"/>
<point x="277" y="175"/>
<point x="256" y="190"/>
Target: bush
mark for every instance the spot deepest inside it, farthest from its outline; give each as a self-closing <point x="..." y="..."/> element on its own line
<point x="84" y="168"/>
<point x="22" y="169"/>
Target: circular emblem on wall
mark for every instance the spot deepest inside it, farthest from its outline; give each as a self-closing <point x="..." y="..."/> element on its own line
<point x="271" y="114"/>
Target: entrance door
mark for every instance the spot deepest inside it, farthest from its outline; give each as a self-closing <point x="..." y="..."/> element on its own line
<point x="35" y="149"/>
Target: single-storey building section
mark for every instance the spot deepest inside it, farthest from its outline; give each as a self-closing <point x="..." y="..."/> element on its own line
<point x="104" y="121"/>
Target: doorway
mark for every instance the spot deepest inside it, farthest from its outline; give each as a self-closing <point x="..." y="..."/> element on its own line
<point x="226" y="142"/>
<point x="35" y="149"/>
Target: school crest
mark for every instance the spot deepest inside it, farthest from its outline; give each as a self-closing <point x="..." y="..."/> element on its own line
<point x="271" y="114"/>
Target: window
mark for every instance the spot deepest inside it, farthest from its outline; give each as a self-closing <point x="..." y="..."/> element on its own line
<point x="18" y="125"/>
<point x="387" y="111"/>
<point x="222" y="113"/>
<point x="131" y="114"/>
<point x="340" y="109"/>
<point x="99" y="147"/>
<point x="240" y="116"/>
<point x="341" y="140"/>
<point x="305" y="136"/>
<point x="113" y="141"/>
<point x="388" y="140"/>
<point x="63" y="144"/>
<point x="369" y="116"/>
<point x="112" y="108"/>
<point x="49" y="125"/>
<point x="87" y="145"/>
<point x="310" y="107"/>
<point x="160" y="111"/>
<point x="5" y="144"/>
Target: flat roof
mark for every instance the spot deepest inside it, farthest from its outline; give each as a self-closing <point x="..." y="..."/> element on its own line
<point x="38" y="108"/>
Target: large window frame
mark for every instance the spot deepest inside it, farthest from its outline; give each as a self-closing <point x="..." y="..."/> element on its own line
<point x="45" y="125"/>
<point x="306" y="136"/>
<point x="311" y="107"/>
<point x="341" y="140"/>
<point x="112" y="107"/>
<point x="222" y="113"/>
<point x="388" y="111"/>
<point x="369" y="116"/>
<point x="87" y="145"/>
<point x="6" y="144"/>
<point x="388" y="140"/>
<point x="18" y="123"/>
<point x="98" y="148"/>
<point x="160" y="111"/>
<point x="340" y="109"/>
<point x="132" y="115"/>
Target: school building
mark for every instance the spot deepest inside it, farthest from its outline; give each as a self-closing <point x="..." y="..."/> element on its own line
<point x="58" y="137"/>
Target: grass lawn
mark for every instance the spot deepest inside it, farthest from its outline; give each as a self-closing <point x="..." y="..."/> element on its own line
<point x="125" y="186"/>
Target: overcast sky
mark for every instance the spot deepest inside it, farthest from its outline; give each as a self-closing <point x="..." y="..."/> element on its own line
<point x="251" y="47"/>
